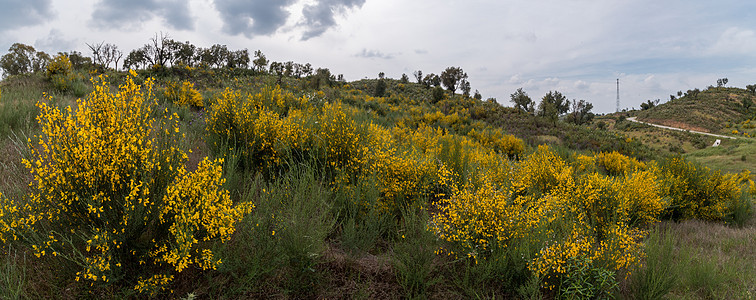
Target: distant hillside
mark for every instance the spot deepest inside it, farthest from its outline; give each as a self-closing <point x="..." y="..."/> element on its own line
<point x="715" y="110"/>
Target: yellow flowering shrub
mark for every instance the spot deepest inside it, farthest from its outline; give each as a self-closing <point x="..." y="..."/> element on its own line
<point x="256" y="126"/>
<point x="59" y="65"/>
<point x="341" y="139"/>
<point x="183" y="94"/>
<point x="617" y="164"/>
<point x="697" y="192"/>
<point x="585" y="163"/>
<point x="110" y="192"/>
<point x="540" y="172"/>
<point x="497" y="140"/>
<point x="575" y="218"/>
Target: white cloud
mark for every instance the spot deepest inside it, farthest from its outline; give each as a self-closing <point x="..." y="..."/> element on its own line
<point x="735" y="41"/>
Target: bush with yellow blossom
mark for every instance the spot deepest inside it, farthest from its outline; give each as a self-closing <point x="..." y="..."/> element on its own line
<point x="111" y="193"/>
<point x="573" y="217"/>
<point x="183" y="94"/>
<point x="697" y="192"/>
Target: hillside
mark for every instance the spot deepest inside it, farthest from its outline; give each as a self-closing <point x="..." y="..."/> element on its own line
<point x="714" y="110"/>
<point x="238" y="184"/>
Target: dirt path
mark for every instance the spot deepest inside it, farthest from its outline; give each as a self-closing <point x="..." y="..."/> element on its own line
<point x="633" y="119"/>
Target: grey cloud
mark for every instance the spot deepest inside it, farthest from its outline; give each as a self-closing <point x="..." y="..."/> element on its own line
<point x="54" y="42"/>
<point x="374" y="54"/>
<point x="19" y="13"/>
<point x="124" y="14"/>
<point x="319" y="17"/>
<point x="255" y="17"/>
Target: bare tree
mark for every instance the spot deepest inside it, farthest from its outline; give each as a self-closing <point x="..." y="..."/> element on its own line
<point x="111" y="54"/>
<point x="98" y="54"/>
<point x="157" y="52"/>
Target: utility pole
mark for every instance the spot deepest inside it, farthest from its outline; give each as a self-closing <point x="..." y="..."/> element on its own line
<point x="618" y="101"/>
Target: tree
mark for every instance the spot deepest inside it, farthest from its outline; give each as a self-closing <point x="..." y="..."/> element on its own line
<point x="560" y="102"/>
<point x="115" y="55"/>
<point x="552" y="105"/>
<point x="548" y="110"/>
<point x="260" y="62"/>
<point x="104" y="54"/>
<point x="183" y="53"/>
<point x="418" y="76"/>
<point x="276" y="68"/>
<point x="649" y="104"/>
<point x="522" y="101"/>
<point x="238" y="59"/>
<point x="307" y="69"/>
<point x="380" y="88"/>
<point x="452" y="77"/>
<point x="721" y="82"/>
<point x="136" y="59"/>
<point x="581" y="112"/>
<point x="432" y="80"/>
<point x="465" y="86"/>
<point x="405" y="78"/>
<point x="381" y="75"/>
<point x="288" y="68"/>
<point x="477" y="95"/>
<point x="322" y="77"/>
<point x="23" y="59"/>
<point x="751" y="88"/>
<point x="157" y="51"/>
<point x="98" y="57"/>
<point x="78" y="61"/>
<point x="693" y="94"/>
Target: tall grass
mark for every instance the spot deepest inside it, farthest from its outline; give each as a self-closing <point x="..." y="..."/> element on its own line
<point x="13" y="279"/>
<point x="283" y="238"/>
<point x="656" y="277"/>
<point x="414" y="254"/>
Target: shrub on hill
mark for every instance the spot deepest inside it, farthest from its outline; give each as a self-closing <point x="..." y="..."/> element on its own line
<point x="112" y="197"/>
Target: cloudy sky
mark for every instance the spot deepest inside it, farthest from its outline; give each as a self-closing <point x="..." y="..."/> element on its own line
<point x="578" y="47"/>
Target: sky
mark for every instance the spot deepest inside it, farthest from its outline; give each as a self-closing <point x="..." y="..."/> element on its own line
<point x="577" y="47"/>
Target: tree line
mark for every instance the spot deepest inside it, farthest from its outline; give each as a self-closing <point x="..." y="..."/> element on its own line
<point x="161" y="51"/>
<point x="553" y="105"/>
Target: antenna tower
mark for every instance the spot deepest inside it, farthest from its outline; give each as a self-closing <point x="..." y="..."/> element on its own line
<point x="618" y="102"/>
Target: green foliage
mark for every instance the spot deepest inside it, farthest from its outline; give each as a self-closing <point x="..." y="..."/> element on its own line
<point x="13" y="276"/>
<point x="380" y="88"/>
<point x="414" y="254"/>
<point x="285" y="236"/>
<point x="709" y="110"/>
<point x="453" y="78"/>
<point x="438" y="94"/>
<point x="553" y="104"/>
<point x="656" y="276"/>
<point x="23" y="59"/>
<point x="587" y="281"/>
<point x="522" y="101"/>
<point x="419" y="193"/>
<point x="581" y="112"/>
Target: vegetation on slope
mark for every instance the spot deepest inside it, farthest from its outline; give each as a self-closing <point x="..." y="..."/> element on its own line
<point x="722" y="110"/>
<point x="240" y="183"/>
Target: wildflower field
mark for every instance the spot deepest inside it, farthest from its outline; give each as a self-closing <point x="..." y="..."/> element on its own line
<point x="220" y="185"/>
